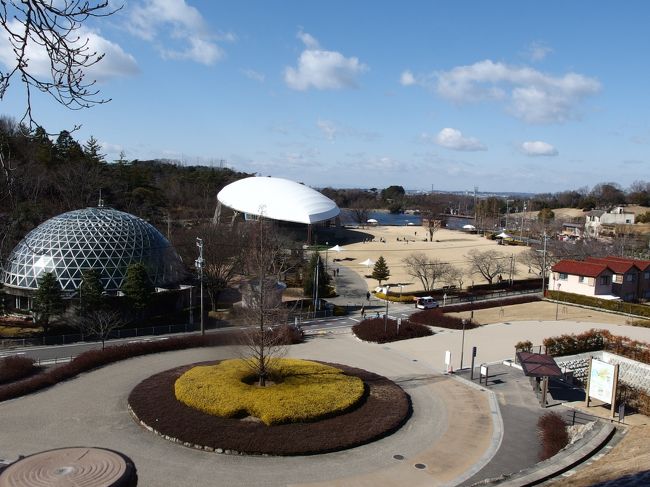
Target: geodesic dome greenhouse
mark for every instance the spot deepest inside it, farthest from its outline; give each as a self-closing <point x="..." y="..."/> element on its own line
<point x="99" y="238"/>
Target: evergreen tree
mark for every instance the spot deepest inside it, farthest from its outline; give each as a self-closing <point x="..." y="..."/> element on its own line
<point x="92" y="151"/>
<point x="308" y="276"/>
<point x="380" y="271"/>
<point x="137" y="287"/>
<point x="90" y="292"/>
<point x="48" y="300"/>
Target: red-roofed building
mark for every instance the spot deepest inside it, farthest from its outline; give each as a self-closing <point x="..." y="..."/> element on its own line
<point x="631" y="280"/>
<point x="586" y="278"/>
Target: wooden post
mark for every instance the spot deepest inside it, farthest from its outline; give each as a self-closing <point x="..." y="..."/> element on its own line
<point x="544" y="390"/>
<point x="614" y="391"/>
<point x="588" y="381"/>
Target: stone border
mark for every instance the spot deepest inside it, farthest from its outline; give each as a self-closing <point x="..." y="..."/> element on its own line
<point x="383" y="410"/>
<point x="574" y="454"/>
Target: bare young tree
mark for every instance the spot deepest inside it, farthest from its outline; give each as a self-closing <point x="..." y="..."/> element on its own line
<point x="428" y="271"/>
<point x="37" y="28"/>
<point x="224" y="250"/>
<point x="488" y="263"/>
<point x="99" y="323"/>
<point x="263" y="307"/>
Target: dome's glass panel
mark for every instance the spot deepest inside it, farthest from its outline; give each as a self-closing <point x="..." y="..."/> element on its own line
<point x="95" y="238"/>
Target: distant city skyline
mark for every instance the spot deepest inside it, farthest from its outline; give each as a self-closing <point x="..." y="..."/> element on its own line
<point x="507" y="96"/>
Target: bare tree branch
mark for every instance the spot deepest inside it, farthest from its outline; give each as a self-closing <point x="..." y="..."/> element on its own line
<point x="52" y="28"/>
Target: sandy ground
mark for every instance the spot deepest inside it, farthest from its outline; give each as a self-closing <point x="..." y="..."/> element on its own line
<point x="448" y="246"/>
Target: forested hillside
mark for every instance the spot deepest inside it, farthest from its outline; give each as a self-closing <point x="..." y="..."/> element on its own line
<point x="41" y="177"/>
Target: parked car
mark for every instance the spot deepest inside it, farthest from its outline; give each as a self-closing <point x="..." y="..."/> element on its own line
<point x="426" y="302"/>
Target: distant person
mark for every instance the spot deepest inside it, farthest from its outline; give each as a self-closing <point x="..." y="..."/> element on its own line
<point x="363" y="312"/>
<point x="368" y="296"/>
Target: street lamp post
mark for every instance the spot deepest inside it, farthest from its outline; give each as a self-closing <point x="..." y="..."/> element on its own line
<point x="386" y="314"/>
<point x="462" y="345"/>
<point x="199" y="265"/>
<point x="557" y="301"/>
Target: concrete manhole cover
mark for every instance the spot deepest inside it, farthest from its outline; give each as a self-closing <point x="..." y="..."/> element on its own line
<point x="398" y="457"/>
<point x="420" y="466"/>
<point x="71" y="466"/>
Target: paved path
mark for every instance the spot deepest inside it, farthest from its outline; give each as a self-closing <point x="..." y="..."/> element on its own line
<point x="449" y="433"/>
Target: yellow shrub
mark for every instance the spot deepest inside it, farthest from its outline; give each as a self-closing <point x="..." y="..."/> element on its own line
<point x="303" y="391"/>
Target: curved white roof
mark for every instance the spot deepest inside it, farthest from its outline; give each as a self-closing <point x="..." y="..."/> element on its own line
<point x="278" y="199"/>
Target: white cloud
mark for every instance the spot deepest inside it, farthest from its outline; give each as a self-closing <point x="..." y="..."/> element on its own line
<point x="407" y="78"/>
<point x="538" y="148"/>
<point x="180" y="26"/>
<point x="254" y="75"/>
<point x="321" y="69"/>
<point x="115" y="62"/>
<point x="328" y="129"/>
<point x="455" y="140"/>
<point x="537" y="51"/>
<point x="530" y="95"/>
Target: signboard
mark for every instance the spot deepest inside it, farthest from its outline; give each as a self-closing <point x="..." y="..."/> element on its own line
<point x="447" y="358"/>
<point x="484" y="370"/>
<point x="601" y="381"/>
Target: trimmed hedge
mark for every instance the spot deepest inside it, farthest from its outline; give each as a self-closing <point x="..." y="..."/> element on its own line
<point x="492" y="303"/>
<point x="396" y="298"/>
<point x="302" y="391"/>
<point x="436" y="317"/>
<point x="372" y="330"/>
<point x="98" y="358"/>
<point x="553" y="434"/>
<point x="606" y="304"/>
<point x="16" y="367"/>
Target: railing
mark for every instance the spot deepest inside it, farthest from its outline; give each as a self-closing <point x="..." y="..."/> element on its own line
<point x="114" y="335"/>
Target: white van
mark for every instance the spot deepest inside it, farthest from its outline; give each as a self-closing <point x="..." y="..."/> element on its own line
<point x="426" y="302"/>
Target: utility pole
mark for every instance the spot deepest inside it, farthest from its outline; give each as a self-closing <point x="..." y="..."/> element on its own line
<point x="544" y="265"/>
<point x="199" y="265"/>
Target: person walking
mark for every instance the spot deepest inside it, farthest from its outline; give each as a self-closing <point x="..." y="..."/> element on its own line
<point x="363" y="312"/>
<point x="368" y="296"/>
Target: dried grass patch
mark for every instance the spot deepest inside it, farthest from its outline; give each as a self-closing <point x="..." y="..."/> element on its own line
<point x="301" y="391"/>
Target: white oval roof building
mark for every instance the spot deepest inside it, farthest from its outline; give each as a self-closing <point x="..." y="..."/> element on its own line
<point x="278" y="199"/>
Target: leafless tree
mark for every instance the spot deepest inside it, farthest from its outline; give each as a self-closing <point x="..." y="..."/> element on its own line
<point x="534" y="259"/>
<point x="99" y="323"/>
<point x="263" y="309"/>
<point x="455" y="276"/>
<point x="428" y="271"/>
<point x="488" y="263"/>
<point x="224" y="249"/>
<point x="52" y="28"/>
<point x="360" y="214"/>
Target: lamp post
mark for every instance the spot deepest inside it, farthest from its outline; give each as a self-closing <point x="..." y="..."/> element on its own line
<point x="557" y="302"/>
<point x="386" y="314"/>
<point x="462" y="345"/>
<point x="199" y="265"/>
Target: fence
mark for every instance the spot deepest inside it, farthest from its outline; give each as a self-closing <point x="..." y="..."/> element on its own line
<point x="115" y="334"/>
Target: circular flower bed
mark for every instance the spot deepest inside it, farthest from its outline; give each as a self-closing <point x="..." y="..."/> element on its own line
<point x="382" y="409"/>
<point x="299" y="391"/>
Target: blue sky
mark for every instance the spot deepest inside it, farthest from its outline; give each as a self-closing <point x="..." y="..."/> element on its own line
<point x="506" y="96"/>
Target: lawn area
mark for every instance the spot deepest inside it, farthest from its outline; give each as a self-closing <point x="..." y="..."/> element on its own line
<point x="300" y="391"/>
